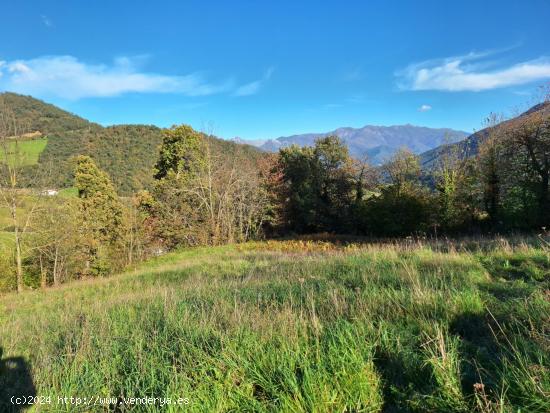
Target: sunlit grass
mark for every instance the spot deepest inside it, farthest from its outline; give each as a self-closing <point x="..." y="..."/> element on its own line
<point x="302" y="326"/>
<point x="25" y="152"/>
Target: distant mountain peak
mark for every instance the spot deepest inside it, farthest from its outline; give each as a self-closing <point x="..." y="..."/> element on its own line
<point x="376" y="142"/>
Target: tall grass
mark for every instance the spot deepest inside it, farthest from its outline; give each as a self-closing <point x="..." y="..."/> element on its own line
<point x="299" y="326"/>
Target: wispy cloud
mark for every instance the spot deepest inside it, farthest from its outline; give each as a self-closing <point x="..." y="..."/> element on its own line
<point x="254" y="87"/>
<point x="46" y="21"/>
<point x="471" y="72"/>
<point x="69" y="78"/>
<point x="424" y="108"/>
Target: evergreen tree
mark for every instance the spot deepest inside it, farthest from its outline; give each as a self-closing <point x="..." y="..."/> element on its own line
<point x="182" y="152"/>
<point x="100" y="213"/>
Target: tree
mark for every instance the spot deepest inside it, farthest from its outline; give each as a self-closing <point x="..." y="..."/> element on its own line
<point x="402" y="205"/>
<point x="175" y="213"/>
<point x="454" y="182"/>
<point x="181" y="153"/>
<point x="527" y="141"/>
<point x="100" y="212"/>
<point x="13" y="195"/>
<point x="319" y="186"/>
<point x="298" y="171"/>
<point x="205" y="194"/>
<point x="402" y="170"/>
<point x="271" y="180"/>
<point x="57" y="255"/>
<point x="490" y="163"/>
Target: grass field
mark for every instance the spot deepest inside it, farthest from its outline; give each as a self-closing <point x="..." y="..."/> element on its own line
<point x="29" y="151"/>
<point x="71" y="192"/>
<point x="297" y="326"/>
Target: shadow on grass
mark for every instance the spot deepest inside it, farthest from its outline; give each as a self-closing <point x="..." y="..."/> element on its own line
<point x="507" y="291"/>
<point x="401" y="380"/>
<point x="16" y="384"/>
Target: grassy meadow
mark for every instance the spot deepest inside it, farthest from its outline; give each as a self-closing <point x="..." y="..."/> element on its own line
<point x="298" y="326"/>
<point x="29" y="151"/>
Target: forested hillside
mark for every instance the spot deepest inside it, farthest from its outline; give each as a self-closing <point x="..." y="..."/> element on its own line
<point x="36" y="115"/>
<point x="127" y="152"/>
<point x="469" y="147"/>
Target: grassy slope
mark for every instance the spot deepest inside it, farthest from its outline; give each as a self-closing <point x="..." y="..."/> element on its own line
<point x="297" y="326"/>
<point x="30" y="151"/>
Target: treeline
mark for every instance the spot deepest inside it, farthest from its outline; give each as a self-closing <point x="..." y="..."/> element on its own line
<point x="503" y="187"/>
<point x="203" y="192"/>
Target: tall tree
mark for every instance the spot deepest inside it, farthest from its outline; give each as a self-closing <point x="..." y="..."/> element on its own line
<point x="527" y="141"/>
<point x="490" y="162"/>
<point x="456" y="189"/>
<point x="175" y="213"/>
<point x="319" y="185"/>
<point x="402" y="170"/>
<point x="401" y="206"/>
<point x="101" y="212"/>
<point x="182" y="152"/>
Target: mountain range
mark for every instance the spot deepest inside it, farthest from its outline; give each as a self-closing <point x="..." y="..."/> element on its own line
<point x="376" y="143"/>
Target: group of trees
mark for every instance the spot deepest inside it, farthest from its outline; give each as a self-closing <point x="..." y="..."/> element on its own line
<point x="206" y="192"/>
<point x="203" y="192"/>
<point x="503" y="186"/>
<point x="322" y="189"/>
<point x="202" y="195"/>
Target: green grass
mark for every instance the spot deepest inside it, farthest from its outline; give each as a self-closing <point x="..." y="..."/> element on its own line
<point x="26" y="204"/>
<point x="6" y="242"/>
<point x="26" y="152"/>
<point x="296" y="326"/>
<point x="71" y="192"/>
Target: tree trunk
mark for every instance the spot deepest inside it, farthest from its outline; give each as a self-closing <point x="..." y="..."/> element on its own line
<point x="55" y="270"/>
<point x="544" y="202"/>
<point x="18" y="261"/>
<point x="43" y="280"/>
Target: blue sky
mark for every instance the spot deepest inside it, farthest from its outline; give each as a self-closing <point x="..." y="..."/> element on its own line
<point x="263" y="69"/>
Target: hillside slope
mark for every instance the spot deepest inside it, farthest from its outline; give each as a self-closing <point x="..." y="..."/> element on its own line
<point x="127" y="152"/>
<point x="469" y="147"/>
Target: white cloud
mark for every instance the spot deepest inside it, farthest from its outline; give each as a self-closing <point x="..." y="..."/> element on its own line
<point x="69" y="78"/>
<point x="424" y="108"/>
<point x="254" y="87"/>
<point x="470" y="73"/>
<point x="18" y="67"/>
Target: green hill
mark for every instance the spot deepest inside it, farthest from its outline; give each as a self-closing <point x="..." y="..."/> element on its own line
<point x="127" y="152"/>
<point x="36" y="115"/>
